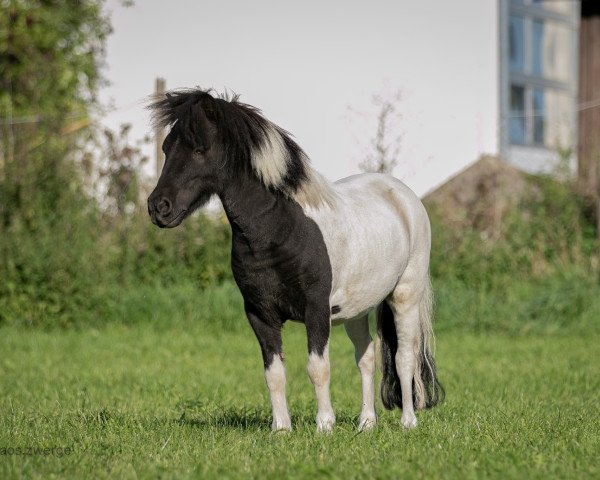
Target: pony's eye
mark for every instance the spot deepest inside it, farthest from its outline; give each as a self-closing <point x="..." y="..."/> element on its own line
<point x="198" y="151"/>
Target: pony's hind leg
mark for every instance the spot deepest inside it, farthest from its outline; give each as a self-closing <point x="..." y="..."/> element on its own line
<point x="364" y="353"/>
<point x="317" y="329"/>
<point x="404" y="303"/>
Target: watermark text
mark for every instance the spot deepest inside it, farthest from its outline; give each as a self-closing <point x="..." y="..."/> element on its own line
<point x="29" y="451"/>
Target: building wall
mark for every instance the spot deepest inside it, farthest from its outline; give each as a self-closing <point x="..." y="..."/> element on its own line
<point x="450" y="76"/>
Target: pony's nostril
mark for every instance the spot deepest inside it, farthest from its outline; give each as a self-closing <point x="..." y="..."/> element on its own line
<point x="164" y="207"/>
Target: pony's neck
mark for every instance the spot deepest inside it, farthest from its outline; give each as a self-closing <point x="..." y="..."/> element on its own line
<point x="256" y="213"/>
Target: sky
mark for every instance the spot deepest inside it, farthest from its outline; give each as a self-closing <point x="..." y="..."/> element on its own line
<point x="313" y="67"/>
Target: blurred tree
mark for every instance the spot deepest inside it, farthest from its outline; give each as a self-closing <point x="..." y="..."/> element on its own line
<point x="74" y="230"/>
<point x="384" y="148"/>
<point x="51" y="54"/>
<point x="121" y="164"/>
<point x="50" y="57"/>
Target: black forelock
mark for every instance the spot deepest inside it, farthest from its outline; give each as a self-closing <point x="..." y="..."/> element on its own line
<point x="241" y="128"/>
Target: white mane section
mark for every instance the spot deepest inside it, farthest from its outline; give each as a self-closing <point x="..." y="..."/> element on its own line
<point x="316" y="191"/>
<point x="270" y="163"/>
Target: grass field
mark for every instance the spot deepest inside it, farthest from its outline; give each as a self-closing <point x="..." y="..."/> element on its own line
<point x="148" y="401"/>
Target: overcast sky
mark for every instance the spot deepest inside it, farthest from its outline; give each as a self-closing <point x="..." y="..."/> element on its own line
<point x="306" y="63"/>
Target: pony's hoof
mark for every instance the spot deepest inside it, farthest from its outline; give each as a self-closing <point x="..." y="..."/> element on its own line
<point x="367" y="422"/>
<point x="281" y="425"/>
<point x="408" y="420"/>
<point x="325" y="423"/>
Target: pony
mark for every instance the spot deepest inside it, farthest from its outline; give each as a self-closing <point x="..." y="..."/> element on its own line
<point x="308" y="250"/>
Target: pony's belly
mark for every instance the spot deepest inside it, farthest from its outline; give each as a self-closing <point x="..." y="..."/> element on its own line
<point x="368" y="239"/>
<point x="357" y="296"/>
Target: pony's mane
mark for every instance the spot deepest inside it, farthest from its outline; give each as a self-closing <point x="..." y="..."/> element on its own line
<point x="250" y="141"/>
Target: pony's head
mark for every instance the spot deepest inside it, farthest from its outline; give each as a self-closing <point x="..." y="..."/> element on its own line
<point x="193" y="158"/>
<point x="214" y="140"/>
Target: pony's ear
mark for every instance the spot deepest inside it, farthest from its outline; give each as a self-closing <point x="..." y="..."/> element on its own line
<point x="199" y="130"/>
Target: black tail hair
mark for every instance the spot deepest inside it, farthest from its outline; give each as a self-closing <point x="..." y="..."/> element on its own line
<point x="427" y="390"/>
<point x="391" y="392"/>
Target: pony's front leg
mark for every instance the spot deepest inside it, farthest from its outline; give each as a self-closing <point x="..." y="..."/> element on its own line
<point x="269" y="337"/>
<point x="317" y="329"/>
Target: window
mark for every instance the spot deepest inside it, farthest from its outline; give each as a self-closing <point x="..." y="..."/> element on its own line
<point x="517" y="115"/>
<point x="559" y="6"/>
<point x="538" y="116"/>
<point x="538" y="48"/>
<point x="516" y="44"/>
<point x="540" y="72"/>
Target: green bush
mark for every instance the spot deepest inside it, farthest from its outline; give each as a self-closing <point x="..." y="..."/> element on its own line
<point x="540" y="275"/>
<point x="545" y="235"/>
<point x="75" y="269"/>
<point x="79" y="266"/>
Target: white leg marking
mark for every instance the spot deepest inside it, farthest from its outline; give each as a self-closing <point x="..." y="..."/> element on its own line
<point x="364" y="353"/>
<point x="318" y="371"/>
<point x="407" y="329"/>
<point x="275" y="377"/>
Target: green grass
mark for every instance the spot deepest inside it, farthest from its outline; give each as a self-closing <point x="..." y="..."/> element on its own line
<point x="148" y="401"/>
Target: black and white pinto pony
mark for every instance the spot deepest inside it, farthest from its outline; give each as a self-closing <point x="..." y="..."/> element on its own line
<point x="307" y="250"/>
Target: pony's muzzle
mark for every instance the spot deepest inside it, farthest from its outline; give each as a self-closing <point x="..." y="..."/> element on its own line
<point x="164" y="207"/>
<point x="160" y="210"/>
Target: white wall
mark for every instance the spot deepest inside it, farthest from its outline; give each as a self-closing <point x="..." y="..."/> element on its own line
<point x="452" y="86"/>
<point x="305" y="63"/>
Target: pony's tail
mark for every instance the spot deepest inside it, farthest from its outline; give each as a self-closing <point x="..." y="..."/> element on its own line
<point x="427" y="390"/>
<point x="391" y="392"/>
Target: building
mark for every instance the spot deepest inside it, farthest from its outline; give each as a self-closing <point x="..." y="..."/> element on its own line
<point x="538" y="53"/>
<point x="548" y="90"/>
<point x="535" y="90"/>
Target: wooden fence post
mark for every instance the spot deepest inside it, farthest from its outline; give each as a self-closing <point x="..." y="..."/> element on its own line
<point x="159" y="90"/>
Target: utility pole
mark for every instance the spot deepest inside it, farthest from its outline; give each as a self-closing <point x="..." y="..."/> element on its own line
<point x="159" y="90"/>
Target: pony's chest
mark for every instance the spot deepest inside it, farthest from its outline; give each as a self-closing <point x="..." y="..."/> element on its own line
<point x="279" y="279"/>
